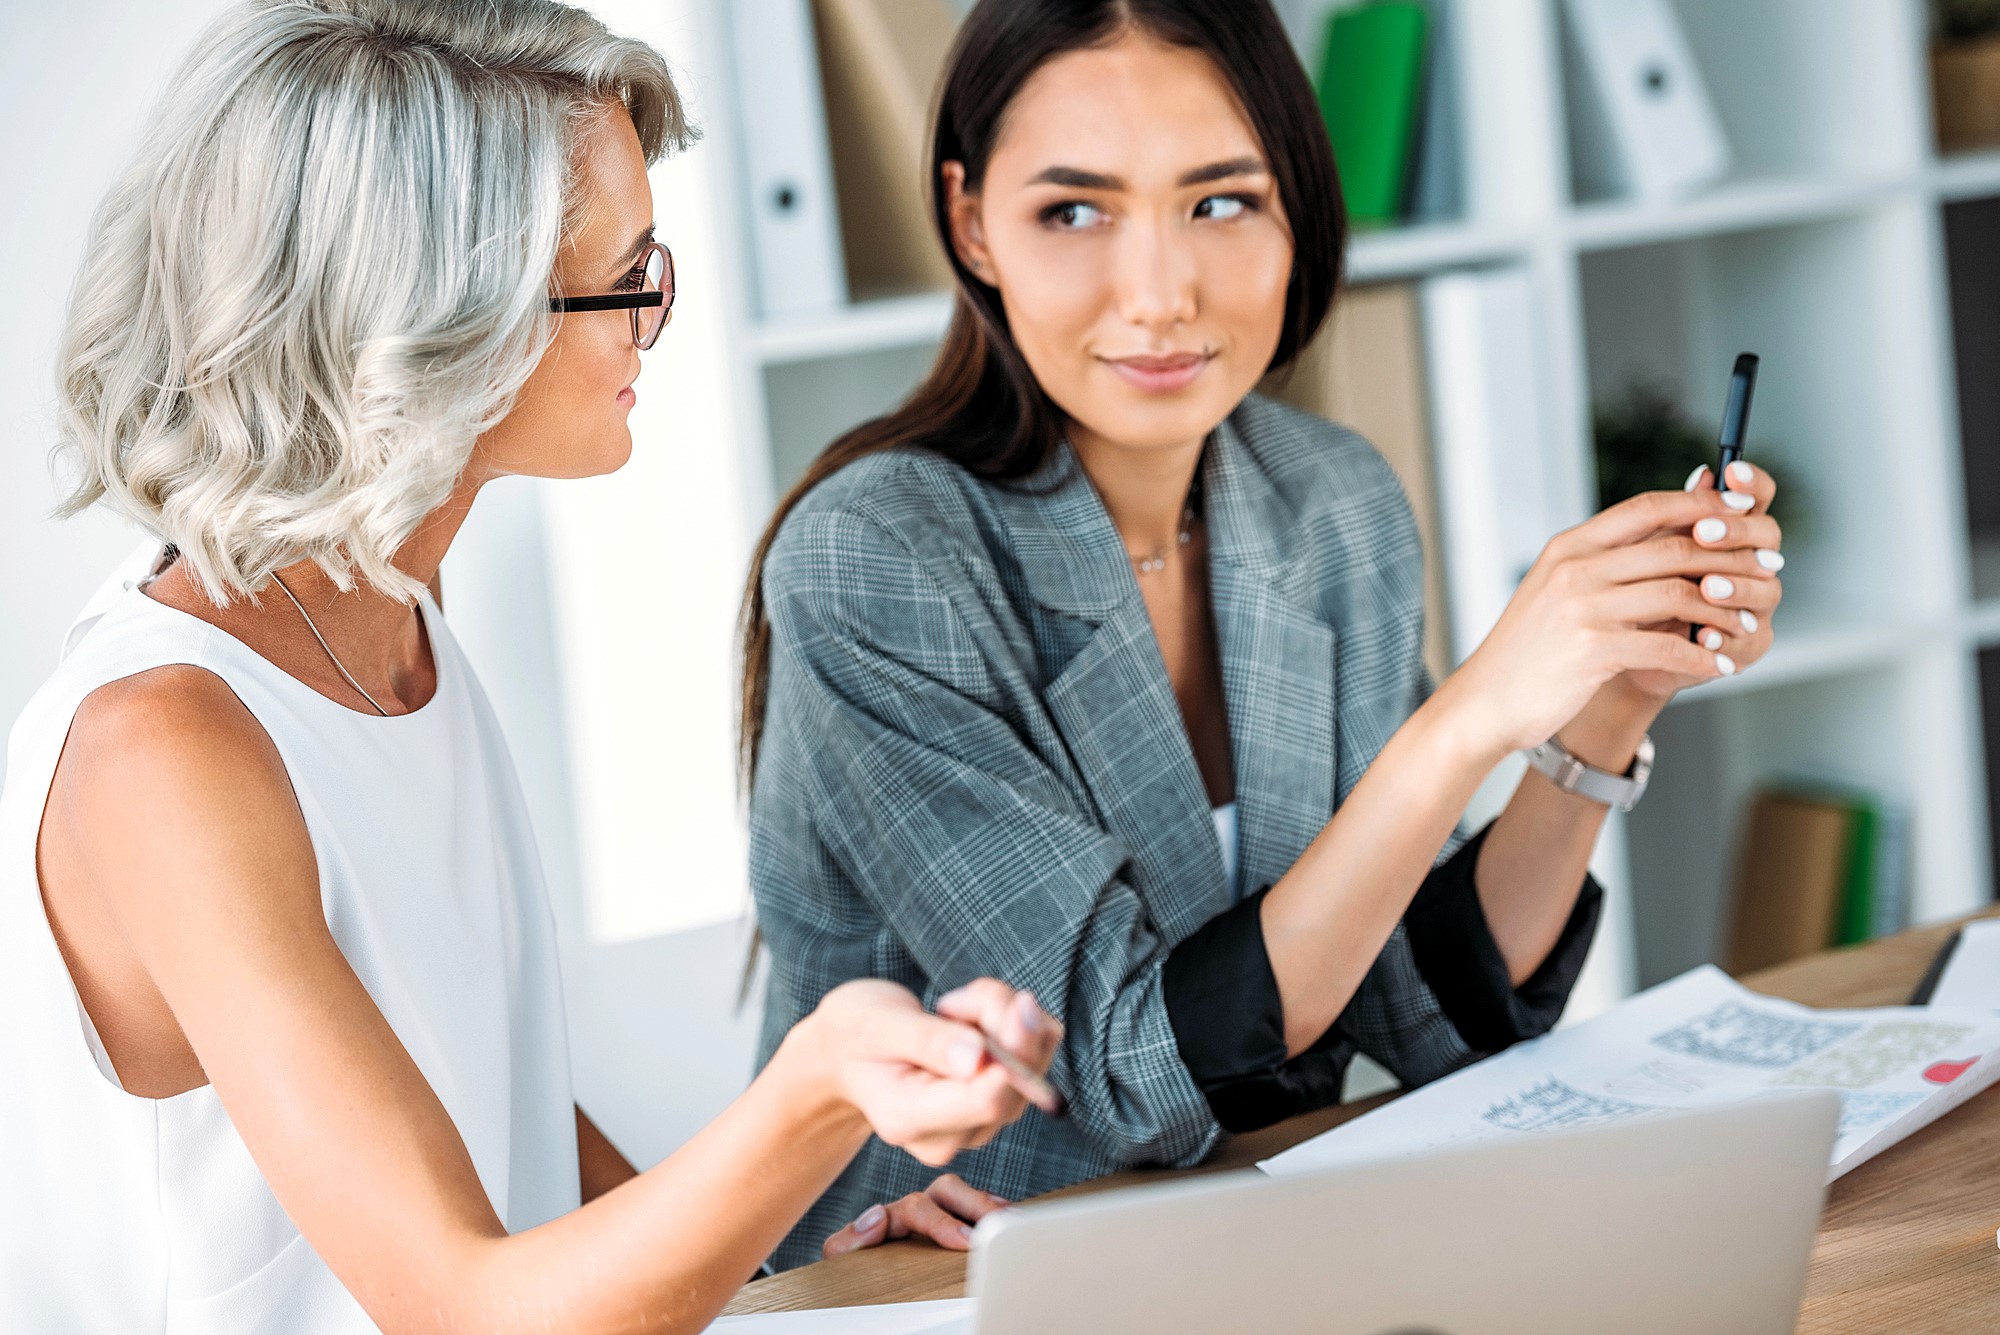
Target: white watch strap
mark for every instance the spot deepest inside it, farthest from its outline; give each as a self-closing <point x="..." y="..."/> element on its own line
<point x="1573" y="775"/>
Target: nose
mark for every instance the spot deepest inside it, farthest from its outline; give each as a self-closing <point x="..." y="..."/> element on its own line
<point x="1155" y="275"/>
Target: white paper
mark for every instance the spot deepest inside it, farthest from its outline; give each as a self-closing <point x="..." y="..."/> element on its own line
<point x="1698" y="1041"/>
<point x="949" y="1316"/>
<point x="1972" y="975"/>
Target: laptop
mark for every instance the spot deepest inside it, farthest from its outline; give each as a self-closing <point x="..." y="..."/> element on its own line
<point x="1689" y="1221"/>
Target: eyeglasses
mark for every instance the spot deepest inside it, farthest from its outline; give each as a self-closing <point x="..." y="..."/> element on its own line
<point x="650" y="303"/>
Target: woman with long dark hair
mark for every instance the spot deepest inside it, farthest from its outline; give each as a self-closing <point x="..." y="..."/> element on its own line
<point x="1092" y="670"/>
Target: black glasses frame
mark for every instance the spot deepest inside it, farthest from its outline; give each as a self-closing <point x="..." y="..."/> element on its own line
<point x="635" y="302"/>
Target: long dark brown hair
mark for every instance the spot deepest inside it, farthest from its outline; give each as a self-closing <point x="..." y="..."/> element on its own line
<point x="980" y="405"/>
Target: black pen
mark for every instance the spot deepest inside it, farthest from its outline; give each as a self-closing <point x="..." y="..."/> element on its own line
<point x="1735" y="421"/>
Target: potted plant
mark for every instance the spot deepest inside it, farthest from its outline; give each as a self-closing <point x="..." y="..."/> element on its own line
<point x="1965" y="73"/>
<point x="1645" y="442"/>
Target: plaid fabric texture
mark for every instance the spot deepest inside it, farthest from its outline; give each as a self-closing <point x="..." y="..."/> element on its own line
<point x="973" y="764"/>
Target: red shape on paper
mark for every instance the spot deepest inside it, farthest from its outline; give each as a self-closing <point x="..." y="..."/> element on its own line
<point x="1943" y="1073"/>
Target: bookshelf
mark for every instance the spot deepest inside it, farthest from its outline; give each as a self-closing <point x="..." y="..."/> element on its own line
<point x="1846" y="251"/>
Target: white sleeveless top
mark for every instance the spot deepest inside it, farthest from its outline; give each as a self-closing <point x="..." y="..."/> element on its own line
<point x="1224" y="817"/>
<point x="120" y="1213"/>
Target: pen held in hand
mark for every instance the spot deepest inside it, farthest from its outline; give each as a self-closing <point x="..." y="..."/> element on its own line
<point x="1735" y="424"/>
<point x="1039" y="1091"/>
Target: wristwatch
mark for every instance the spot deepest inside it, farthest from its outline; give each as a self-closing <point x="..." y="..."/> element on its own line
<point x="1572" y="775"/>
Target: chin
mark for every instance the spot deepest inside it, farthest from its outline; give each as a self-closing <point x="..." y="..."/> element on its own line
<point x="595" y="454"/>
<point x="1163" y="422"/>
<point x="613" y="458"/>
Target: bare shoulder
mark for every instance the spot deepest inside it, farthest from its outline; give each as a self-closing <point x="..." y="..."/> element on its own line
<point x="168" y="768"/>
<point x="177" y="721"/>
<point x="169" y="830"/>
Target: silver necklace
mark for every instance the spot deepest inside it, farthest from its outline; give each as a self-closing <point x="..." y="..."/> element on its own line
<point x="1147" y="565"/>
<point x="339" y="666"/>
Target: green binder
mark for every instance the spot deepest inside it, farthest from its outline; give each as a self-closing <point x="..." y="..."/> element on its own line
<point x="1371" y="78"/>
<point x="1857" y="892"/>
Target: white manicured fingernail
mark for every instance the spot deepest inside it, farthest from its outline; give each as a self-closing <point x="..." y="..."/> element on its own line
<point x="1711" y="530"/>
<point x="1725" y="665"/>
<point x="965" y="1231"/>
<point x="1718" y="586"/>
<point x="1029" y="1013"/>
<point x="1749" y="621"/>
<point x="1738" y="500"/>
<point x="1769" y="559"/>
<point x="1742" y="472"/>
<point x="1711" y="638"/>
<point x="1694" y="477"/>
<point x="964" y="1056"/>
<point x="868" y="1219"/>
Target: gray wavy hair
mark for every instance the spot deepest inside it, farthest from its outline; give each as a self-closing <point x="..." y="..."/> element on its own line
<point x="327" y="272"/>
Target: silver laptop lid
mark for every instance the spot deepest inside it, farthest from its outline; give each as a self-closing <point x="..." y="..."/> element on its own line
<point x="1696" y="1221"/>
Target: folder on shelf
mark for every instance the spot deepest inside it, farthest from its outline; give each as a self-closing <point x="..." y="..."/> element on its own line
<point x="1892" y="871"/>
<point x="1858" y="879"/>
<point x="1365" y="371"/>
<point x="1437" y="165"/>
<point x="1644" y="124"/>
<point x="1819" y="865"/>
<point x="1371" y="75"/>
<point x="1790" y="875"/>
<point x="787" y="173"/>
<point x="1501" y="494"/>
<point x="880" y="61"/>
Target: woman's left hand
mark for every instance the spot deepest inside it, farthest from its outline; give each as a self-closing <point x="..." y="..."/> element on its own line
<point x="944" y="1212"/>
<point x="1754" y="596"/>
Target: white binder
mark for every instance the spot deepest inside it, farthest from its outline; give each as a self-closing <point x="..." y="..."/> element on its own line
<point x="1499" y="497"/>
<point x="787" y="169"/>
<point x="1644" y="123"/>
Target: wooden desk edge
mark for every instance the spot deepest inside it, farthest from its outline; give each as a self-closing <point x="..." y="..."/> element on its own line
<point x="1880" y="973"/>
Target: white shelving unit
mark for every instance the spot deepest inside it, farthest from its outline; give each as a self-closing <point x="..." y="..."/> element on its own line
<point x="1826" y="253"/>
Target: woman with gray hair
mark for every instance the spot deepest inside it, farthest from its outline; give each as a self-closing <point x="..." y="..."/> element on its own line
<point x="283" y="1028"/>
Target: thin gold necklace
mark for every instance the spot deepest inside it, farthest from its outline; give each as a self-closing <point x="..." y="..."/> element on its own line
<point x="339" y="666"/>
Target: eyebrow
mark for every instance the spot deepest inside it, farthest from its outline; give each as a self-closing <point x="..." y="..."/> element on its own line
<point x="638" y="245"/>
<point x="1078" y="179"/>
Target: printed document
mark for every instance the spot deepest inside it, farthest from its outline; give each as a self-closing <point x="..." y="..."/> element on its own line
<point x="1697" y="1041"/>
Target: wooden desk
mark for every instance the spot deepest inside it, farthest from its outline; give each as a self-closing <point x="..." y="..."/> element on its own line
<point x="1906" y="1243"/>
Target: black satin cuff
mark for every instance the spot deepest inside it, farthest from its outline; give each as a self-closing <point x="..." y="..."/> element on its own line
<point x="1229" y="1022"/>
<point x="1455" y="952"/>
<point x="1229" y="1019"/>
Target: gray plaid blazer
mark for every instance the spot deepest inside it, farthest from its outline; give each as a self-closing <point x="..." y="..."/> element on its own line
<point x="973" y="764"/>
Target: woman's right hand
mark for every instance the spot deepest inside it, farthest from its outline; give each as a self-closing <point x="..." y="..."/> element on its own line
<point x="924" y="1082"/>
<point x="1614" y="594"/>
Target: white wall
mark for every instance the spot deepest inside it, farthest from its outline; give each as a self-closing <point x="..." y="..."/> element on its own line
<point x="598" y="613"/>
<point x="64" y="139"/>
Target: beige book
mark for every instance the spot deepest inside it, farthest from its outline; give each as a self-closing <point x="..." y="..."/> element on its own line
<point x="1790" y="867"/>
<point x="1366" y="371"/>
<point x="880" y="61"/>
